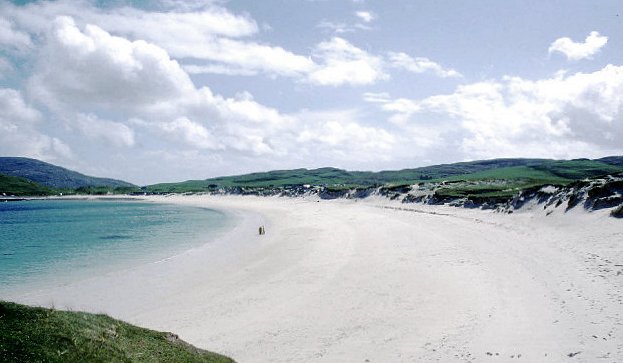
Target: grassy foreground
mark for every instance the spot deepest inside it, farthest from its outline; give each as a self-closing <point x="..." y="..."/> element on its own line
<point x="29" y="334"/>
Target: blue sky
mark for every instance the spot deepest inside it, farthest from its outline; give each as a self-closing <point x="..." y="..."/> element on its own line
<point x="175" y="90"/>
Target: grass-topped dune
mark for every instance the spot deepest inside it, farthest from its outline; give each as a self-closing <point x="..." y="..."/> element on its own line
<point x="30" y="334"/>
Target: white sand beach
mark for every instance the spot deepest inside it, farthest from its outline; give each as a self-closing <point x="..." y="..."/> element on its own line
<point x="377" y="281"/>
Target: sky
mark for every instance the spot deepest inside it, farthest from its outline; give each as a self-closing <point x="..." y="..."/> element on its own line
<point x="162" y="91"/>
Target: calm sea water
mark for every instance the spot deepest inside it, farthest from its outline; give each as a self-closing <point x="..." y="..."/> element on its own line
<point x="55" y="242"/>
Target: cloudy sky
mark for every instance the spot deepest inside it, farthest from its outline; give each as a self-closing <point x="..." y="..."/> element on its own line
<point x="174" y="90"/>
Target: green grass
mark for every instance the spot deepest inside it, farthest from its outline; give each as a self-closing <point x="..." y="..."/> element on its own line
<point x="29" y="334"/>
<point x="523" y="172"/>
<point x="578" y="169"/>
<point x="12" y="185"/>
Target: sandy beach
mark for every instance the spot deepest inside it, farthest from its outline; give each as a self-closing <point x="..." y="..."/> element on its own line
<point x="378" y="281"/>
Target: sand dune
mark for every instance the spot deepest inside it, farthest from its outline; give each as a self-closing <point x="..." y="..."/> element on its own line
<point x="377" y="281"/>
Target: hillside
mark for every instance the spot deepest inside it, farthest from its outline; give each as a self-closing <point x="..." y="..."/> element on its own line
<point x="15" y="186"/>
<point x="525" y="172"/>
<point x="53" y="176"/>
<point x="29" y="334"/>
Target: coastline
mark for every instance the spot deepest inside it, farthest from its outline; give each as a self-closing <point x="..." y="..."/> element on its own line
<point x="154" y="247"/>
<point x="355" y="280"/>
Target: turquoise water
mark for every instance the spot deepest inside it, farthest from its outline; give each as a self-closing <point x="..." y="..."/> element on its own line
<point x="46" y="242"/>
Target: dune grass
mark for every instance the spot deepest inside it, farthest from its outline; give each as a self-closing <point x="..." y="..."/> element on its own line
<point x="31" y="334"/>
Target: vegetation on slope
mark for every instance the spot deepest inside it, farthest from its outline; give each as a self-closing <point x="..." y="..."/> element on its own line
<point x="518" y="174"/>
<point x="11" y="185"/>
<point x="29" y="334"/>
<point x="53" y="176"/>
<point x="522" y="172"/>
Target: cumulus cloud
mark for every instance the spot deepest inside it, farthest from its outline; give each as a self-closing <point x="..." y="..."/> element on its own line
<point x="139" y="80"/>
<point x="210" y="40"/>
<point x="191" y="133"/>
<point x="212" y="34"/>
<point x="563" y="116"/>
<point x="99" y="69"/>
<point x="344" y="63"/>
<point x="420" y="65"/>
<point x="178" y="22"/>
<point x="12" y="38"/>
<point x="338" y="134"/>
<point x="97" y="129"/>
<point x="19" y="134"/>
<point x="579" y="50"/>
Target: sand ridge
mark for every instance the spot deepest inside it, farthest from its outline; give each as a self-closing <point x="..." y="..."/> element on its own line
<point x="379" y="281"/>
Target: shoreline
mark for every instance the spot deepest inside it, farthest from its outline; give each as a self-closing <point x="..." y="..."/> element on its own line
<point x="354" y="280"/>
<point x="52" y="281"/>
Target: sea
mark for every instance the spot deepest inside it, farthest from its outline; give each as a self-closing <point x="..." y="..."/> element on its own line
<point x="46" y="243"/>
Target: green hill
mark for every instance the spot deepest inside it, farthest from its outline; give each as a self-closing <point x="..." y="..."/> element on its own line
<point x="15" y="186"/>
<point x="526" y="172"/>
<point x="53" y="176"/>
<point x="29" y="334"/>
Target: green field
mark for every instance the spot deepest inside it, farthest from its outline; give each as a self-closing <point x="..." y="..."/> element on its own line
<point x="522" y="173"/>
<point x="29" y="334"/>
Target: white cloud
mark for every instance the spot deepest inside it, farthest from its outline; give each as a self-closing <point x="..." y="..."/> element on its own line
<point x="212" y="34"/>
<point x="366" y="16"/>
<point x="341" y="27"/>
<point x="191" y="133"/>
<point x="339" y="134"/>
<point x="564" y="116"/>
<point x="12" y="38"/>
<point x="139" y="80"/>
<point x="210" y="40"/>
<point x="344" y="63"/>
<point x="576" y="50"/>
<point x="176" y="23"/>
<point x="15" y="108"/>
<point x="420" y="65"/>
<point x="245" y="55"/>
<point x="128" y="73"/>
<point x="96" y="129"/>
<point x="19" y="135"/>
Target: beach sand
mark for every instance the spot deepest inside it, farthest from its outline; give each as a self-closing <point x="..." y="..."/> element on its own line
<point x="379" y="281"/>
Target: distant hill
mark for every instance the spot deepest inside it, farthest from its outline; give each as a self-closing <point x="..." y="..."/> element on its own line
<point x="613" y="160"/>
<point x="16" y="186"/>
<point x="53" y="176"/>
<point x="527" y="172"/>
